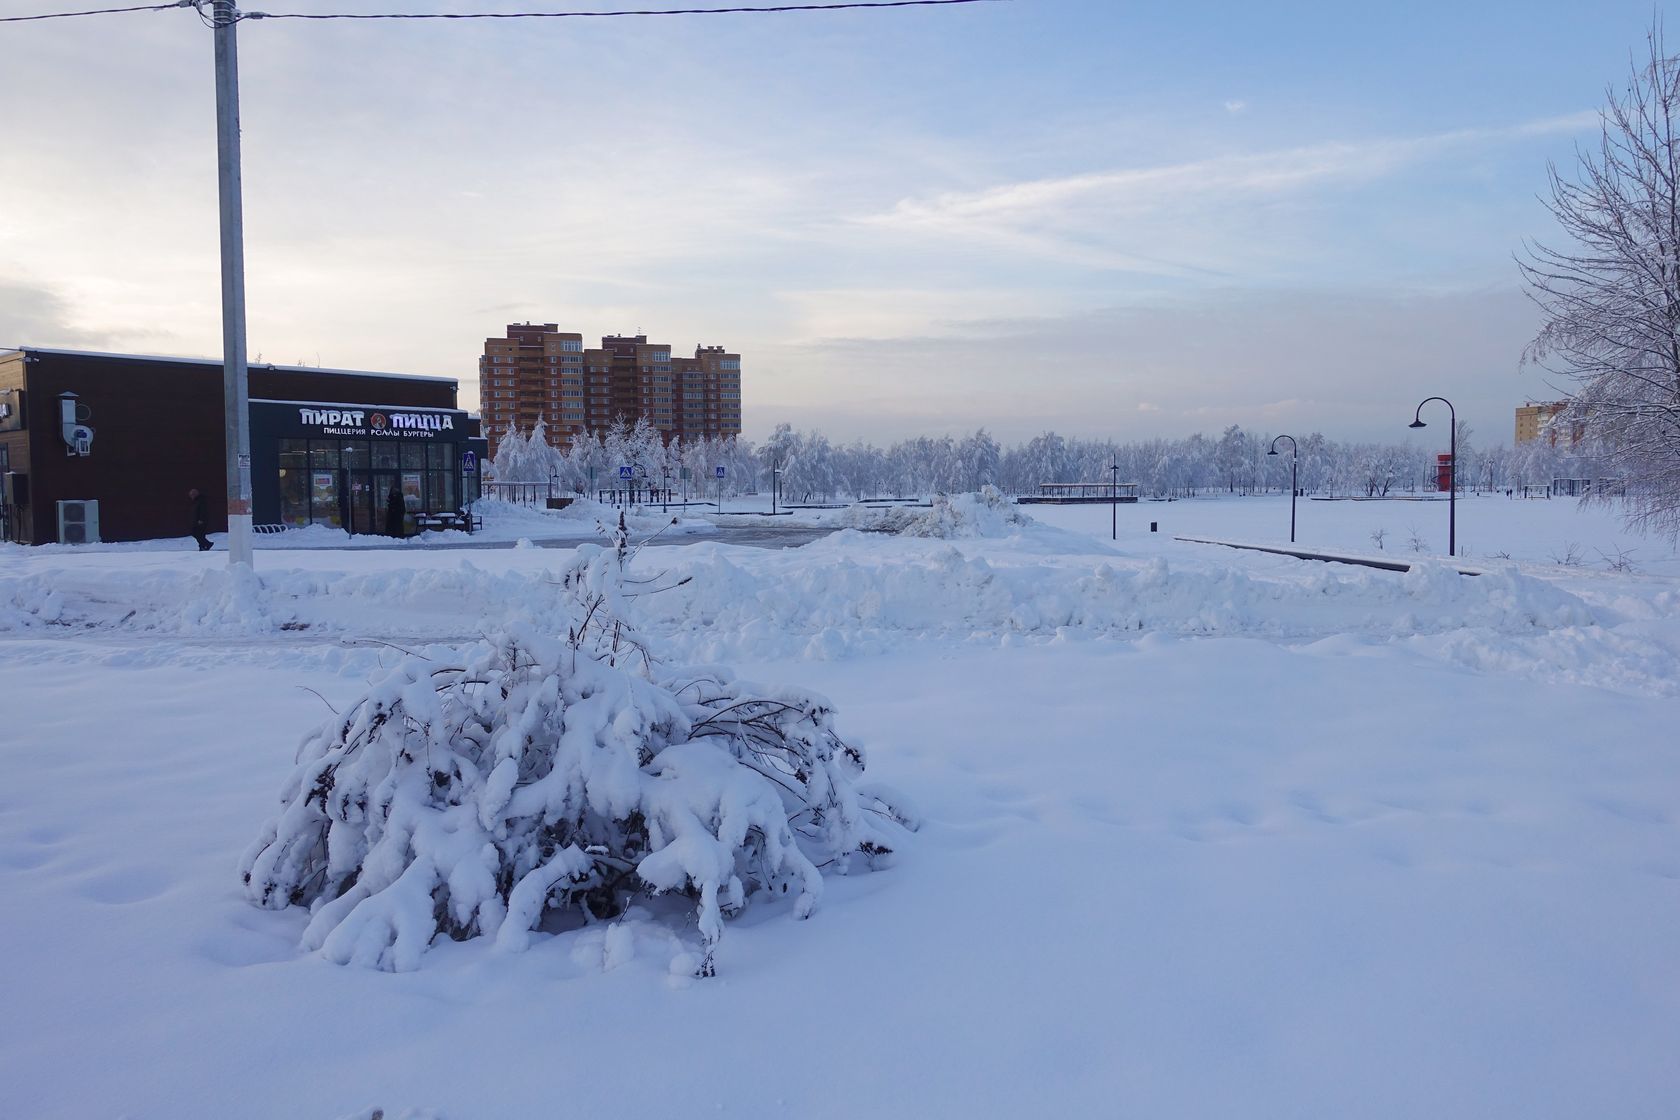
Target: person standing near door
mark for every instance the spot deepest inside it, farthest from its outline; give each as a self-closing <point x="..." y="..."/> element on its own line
<point x="395" y="511"/>
<point x="200" y="518"/>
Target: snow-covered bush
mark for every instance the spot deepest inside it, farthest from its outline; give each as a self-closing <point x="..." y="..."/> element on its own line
<point x="536" y="774"/>
<point x="988" y="513"/>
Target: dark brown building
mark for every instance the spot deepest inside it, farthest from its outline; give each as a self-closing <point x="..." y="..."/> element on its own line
<point x="113" y="442"/>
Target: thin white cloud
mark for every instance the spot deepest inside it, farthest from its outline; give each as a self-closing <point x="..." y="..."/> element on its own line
<point x="1349" y="363"/>
<point x="1236" y="106"/>
<point x="1076" y="218"/>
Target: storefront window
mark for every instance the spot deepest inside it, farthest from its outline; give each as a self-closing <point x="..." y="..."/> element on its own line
<point x="442" y="487"/>
<point x="294" y="494"/>
<point x="413" y="496"/>
<point x="323" y="495"/>
<point x="344" y="478"/>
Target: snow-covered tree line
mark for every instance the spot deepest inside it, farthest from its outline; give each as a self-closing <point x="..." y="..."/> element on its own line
<point x="811" y="467"/>
<point x="593" y="462"/>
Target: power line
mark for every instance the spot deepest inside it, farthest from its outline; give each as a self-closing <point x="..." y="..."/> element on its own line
<point x="98" y="12"/>
<point x="753" y="9"/>
<point x="845" y="5"/>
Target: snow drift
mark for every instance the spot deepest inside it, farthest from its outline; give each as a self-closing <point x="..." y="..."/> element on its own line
<point x="989" y="513"/>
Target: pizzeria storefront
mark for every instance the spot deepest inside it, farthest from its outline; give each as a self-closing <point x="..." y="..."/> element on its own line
<point x="108" y="447"/>
<point x="338" y="464"/>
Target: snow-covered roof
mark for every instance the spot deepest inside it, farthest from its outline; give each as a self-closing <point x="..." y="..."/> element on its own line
<point x="359" y="404"/>
<point x="217" y="362"/>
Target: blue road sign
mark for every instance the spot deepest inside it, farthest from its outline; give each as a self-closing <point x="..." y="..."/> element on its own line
<point x="721" y="471"/>
<point x="625" y="474"/>
<point x="469" y="462"/>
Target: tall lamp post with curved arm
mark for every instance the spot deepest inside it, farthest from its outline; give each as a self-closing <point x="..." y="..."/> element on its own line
<point x="1294" y="465"/>
<point x="1452" y="477"/>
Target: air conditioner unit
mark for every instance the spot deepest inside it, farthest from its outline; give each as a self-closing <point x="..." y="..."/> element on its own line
<point x="78" y="522"/>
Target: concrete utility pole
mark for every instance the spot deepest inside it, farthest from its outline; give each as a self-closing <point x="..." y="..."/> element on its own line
<point x="235" y="393"/>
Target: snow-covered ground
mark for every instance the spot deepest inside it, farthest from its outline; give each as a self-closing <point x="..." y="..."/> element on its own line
<point x="1208" y="832"/>
<point x="502" y="523"/>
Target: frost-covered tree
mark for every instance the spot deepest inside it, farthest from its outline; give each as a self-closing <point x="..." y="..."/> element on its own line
<point x="526" y="456"/>
<point x="808" y="467"/>
<point x="1611" y="290"/>
<point x="979" y="454"/>
<point x="536" y="774"/>
<point x="1229" y="457"/>
<point x="777" y="453"/>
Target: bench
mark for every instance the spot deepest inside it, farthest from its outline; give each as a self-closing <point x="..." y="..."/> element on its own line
<point x="462" y="520"/>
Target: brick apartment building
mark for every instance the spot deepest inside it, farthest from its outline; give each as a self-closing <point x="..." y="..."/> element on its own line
<point x="537" y="371"/>
<point x="1535" y="419"/>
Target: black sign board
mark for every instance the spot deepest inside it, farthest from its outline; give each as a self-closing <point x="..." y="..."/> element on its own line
<point x="357" y="421"/>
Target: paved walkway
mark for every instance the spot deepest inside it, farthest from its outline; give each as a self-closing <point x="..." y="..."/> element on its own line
<point x="1326" y="557"/>
<point x="772" y="536"/>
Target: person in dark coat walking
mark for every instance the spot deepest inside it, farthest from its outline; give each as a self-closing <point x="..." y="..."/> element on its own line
<point x="200" y="518"/>
<point x="395" y="511"/>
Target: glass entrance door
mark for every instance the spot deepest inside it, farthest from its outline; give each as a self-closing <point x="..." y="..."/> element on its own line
<point x="364" y="510"/>
<point x="370" y="493"/>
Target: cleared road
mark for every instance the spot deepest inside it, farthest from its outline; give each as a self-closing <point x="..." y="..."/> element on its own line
<point x="791" y="536"/>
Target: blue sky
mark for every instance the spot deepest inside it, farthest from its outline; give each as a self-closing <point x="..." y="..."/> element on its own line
<point x="1103" y="218"/>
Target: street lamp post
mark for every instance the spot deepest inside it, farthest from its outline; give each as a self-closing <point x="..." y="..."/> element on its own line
<point x="775" y="474"/>
<point x="1452" y="461"/>
<point x="1294" y="466"/>
<point x="1114" y="500"/>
